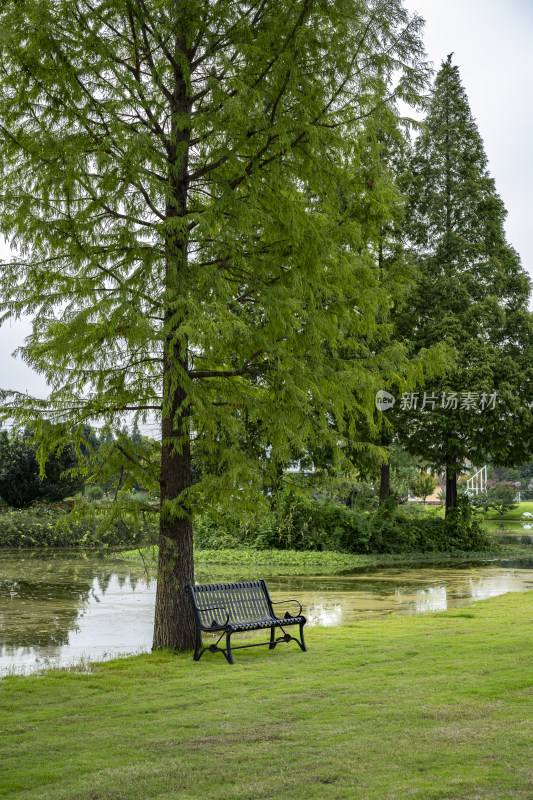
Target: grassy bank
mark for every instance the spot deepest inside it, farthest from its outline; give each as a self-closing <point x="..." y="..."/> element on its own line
<point x="325" y="560"/>
<point x="432" y="707"/>
<point x="516" y="513"/>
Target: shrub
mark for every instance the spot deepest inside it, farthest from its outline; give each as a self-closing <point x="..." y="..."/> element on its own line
<point x="501" y="497"/>
<point x="20" y="481"/>
<point x="300" y="523"/>
<point x="464" y="530"/>
<point x="292" y="522"/>
<point x="362" y="495"/>
<point x="221" y="531"/>
<point x="94" y="492"/>
<point x="39" y="528"/>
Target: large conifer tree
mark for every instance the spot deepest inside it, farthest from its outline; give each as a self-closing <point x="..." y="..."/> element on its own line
<point x="171" y="173"/>
<point x="472" y="294"/>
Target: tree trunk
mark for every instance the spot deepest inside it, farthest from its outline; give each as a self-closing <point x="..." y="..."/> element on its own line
<point x="384" y="484"/>
<point x="174" y="624"/>
<point x="451" y="488"/>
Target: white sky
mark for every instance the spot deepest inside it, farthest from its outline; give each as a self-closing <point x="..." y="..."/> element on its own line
<point x="492" y="42"/>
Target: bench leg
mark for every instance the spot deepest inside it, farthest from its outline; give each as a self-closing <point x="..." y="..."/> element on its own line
<point x="198" y="646"/>
<point x="228" y="653"/>
<point x="302" y="640"/>
<point x="288" y="638"/>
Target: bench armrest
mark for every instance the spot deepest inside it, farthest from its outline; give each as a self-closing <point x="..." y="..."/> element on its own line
<point x="278" y="602"/>
<point x="215" y="608"/>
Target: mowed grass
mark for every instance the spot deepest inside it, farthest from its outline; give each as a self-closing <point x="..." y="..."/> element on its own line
<point x="525" y="505"/>
<point x="436" y="706"/>
<point x="516" y="513"/>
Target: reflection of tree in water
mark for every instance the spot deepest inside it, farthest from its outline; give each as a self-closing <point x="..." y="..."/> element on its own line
<point x="102" y="580"/>
<point x="39" y="615"/>
<point x="124" y="580"/>
<point x="121" y="580"/>
<point x="42" y="597"/>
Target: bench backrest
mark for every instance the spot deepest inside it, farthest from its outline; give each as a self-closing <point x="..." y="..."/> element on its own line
<point x="248" y="601"/>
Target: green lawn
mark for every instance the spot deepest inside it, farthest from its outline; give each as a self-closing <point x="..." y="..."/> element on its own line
<point x="526" y="505"/>
<point x="436" y="706"/>
<point x="515" y="514"/>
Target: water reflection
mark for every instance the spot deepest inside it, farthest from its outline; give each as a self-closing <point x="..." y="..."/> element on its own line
<point x="432" y="599"/>
<point x="512" y="527"/>
<point x="59" y="607"/>
<point x="321" y="614"/>
<point x="337" y="599"/>
<point x="511" y="531"/>
<point x="514" y="538"/>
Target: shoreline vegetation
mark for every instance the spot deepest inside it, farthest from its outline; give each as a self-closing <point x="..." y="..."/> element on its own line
<point x="297" y="532"/>
<point x="291" y="521"/>
<point x="298" y="562"/>
<point x="429" y="706"/>
<point x="331" y="560"/>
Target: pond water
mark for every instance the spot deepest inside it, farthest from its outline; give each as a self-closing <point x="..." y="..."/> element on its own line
<point x="511" y="531"/>
<point x="58" y="608"/>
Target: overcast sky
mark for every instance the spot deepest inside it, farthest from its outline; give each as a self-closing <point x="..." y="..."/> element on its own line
<point x="492" y="42"/>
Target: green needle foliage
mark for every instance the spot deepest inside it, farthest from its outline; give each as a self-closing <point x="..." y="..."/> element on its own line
<point x="172" y="175"/>
<point x="472" y="294"/>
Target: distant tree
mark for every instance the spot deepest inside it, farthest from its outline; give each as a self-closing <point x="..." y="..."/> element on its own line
<point x="423" y="484"/>
<point x="526" y="476"/>
<point x="502" y="497"/>
<point x="524" y="473"/>
<point x="136" y="437"/>
<point x="472" y="294"/>
<point x="403" y="469"/>
<point x="20" y="481"/>
<point x="400" y="365"/>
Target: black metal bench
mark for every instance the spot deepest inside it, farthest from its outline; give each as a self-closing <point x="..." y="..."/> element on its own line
<point x="228" y="608"/>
